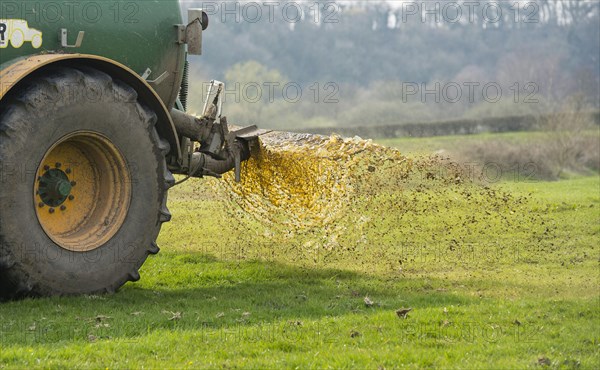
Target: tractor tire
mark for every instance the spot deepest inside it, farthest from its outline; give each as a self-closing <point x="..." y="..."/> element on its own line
<point x="83" y="185"/>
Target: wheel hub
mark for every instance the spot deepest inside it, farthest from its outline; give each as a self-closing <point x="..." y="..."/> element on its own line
<point x="54" y="187"/>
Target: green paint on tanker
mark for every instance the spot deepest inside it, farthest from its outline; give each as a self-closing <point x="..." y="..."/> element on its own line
<point x="139" y="34"/>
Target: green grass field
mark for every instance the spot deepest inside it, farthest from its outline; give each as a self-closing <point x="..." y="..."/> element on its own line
<point x="504" y="276"/>
<point x="427" y="145"/>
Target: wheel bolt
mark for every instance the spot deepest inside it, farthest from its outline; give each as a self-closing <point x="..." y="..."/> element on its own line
<point x="41" y="204"/>
<point x="62" y="208"/>
<point x="58" y="164"/>
<point x="68" y="171"/>
<point x="51" y="210"/>
<point x="73" y="183"/>
<point x="71" y="197"/>
<point x="46" y="167"/>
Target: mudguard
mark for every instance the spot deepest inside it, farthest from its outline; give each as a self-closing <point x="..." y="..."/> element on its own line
<point x="18" y="72"/>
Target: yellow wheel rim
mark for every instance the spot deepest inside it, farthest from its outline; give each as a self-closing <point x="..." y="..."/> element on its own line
<point x="82" y="191"/>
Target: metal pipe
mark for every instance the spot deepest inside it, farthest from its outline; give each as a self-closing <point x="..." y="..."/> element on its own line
<point x="220" y="151"/>
<point x="206" y="165"/>
<point x="187" y="125"/>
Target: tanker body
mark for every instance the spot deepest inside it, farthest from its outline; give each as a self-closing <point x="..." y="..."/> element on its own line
<point x="92" y="128"/>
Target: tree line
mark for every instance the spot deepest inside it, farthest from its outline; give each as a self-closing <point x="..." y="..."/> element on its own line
<point x="320" y="63"/>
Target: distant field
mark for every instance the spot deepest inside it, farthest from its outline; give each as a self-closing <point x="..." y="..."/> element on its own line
<point x="219" y="295"/>
<point x="514" y="156"/>
<point x="427" y="145"/>
<point x="464" y="126"/>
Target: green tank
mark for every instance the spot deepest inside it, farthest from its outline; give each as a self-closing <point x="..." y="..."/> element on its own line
<point x="139" y="34"/>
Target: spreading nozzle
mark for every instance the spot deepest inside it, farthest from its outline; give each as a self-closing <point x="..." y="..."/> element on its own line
<point x="220" y="150"/>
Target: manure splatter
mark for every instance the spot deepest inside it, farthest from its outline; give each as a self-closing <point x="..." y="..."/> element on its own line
<point x="315" y="196"/>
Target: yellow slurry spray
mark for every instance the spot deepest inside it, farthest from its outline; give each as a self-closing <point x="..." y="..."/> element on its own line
<point x="320" y="199"/>
<point x="303" y="180"/>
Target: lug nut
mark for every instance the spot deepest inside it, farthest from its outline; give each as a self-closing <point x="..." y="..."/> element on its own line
<point x="73" y="183"/>
<point x="51" y="210"/>
<point x="46" y="167"/>
<point x="62" y="208"/>
<point x="58" y="164"/>
<point x="68" y="171"/>
<point x="41" y="204"/>
<point x="71" y="197"/>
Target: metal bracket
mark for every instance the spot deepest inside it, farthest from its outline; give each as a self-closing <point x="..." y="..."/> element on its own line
<point x="146" y="74"/>
<point x="217" y="106"/>
<point x="181" y="34"/>
<point x="156" y="81"/>
<point x="64" y="39"/>
<point x="159" y="79"/>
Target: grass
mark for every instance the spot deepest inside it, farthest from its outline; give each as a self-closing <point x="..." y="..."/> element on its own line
<point x="226" y="293"/>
